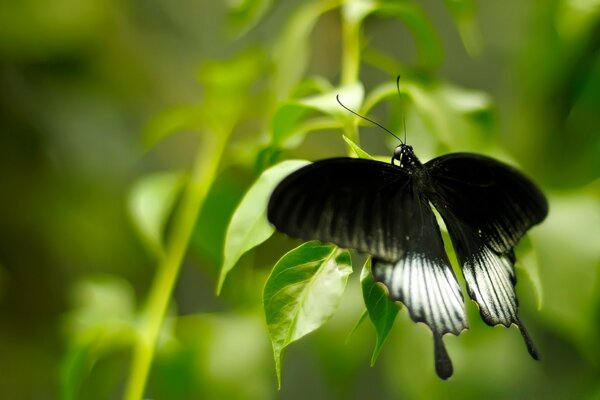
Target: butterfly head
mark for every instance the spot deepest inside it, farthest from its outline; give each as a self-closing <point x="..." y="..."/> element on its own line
<point x="405" y="157"/>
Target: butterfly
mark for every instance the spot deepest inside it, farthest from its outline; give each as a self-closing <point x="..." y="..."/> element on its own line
<point x="386" y="210"/>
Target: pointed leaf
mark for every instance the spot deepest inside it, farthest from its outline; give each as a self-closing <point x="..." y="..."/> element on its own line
<point x="427" y="39"/>
<point x="358" y="323"/>
<point x="292" y="46"/>
<point x="464" y="13"/>
<point x="169" y="122"/>
<point x="382" y="311"/>
<point x="249" y="226"/>
<point x="290" y="122"/>
<point x="527" y="261"/>
<point x="246" y="14"/>
<point x="151" y="201"/>
<point x="360" y="153"/>
<point x="302" y="292"/>
<point x="351" y="95"/>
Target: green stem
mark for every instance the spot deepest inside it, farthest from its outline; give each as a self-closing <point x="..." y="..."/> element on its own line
<point x="350" y="51"/>
<point x="203" y="175"/>
<point x="350" y="66"/>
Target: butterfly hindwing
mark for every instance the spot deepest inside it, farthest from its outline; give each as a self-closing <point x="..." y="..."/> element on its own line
<point x="423" y="280"/>
<point x="354" y="203"/>
<point x="487" y="207"/>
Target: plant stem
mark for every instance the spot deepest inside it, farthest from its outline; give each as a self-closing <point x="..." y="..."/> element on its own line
<point x="350" y="51"/>
<point x="350" y="65"/>
<point x="203" y="174"/>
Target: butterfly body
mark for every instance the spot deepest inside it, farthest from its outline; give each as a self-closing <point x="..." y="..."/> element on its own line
<point x="385" y="210"/>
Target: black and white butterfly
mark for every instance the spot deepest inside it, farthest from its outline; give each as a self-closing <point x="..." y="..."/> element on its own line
<point x="385" y="210"/>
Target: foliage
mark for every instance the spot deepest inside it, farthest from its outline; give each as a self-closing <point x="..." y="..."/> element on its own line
<point x="141" y="141"/>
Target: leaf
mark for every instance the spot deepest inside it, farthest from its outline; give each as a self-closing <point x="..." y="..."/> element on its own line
<point x="150" y="202"/>
<point x="249" y="226"/>
<point x="358" y="323"/>
<point x="292" y="47"/>
<point x="360" y="153"/>
<point x="382" y="311"/>
<point x="246" y="14"/>
<point x="351" y="95"/>
<point x="429" y="45"/>
<point x="302" y="292"/>
<point x="101" y="319"/>
<point x="464" y="14"/>
<point x="568" y="238"/>
<point x="459" y="117"/>
<point x="527" y="261"/>
<point x="172" y="121"/>
<point x="290" y="125"/>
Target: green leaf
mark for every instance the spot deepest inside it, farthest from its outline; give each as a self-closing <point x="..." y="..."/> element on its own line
<point x="358" y="323"/>
<point x="360" y="153"/>
<point x="249" y="226"/>
<point x="290" y="124"/>
<point x="101" y="319"/>
<point x="429" y="45"/>
<point x="527" y="261"/>
<point x="245" y="14"/>
<point x="382" y="311"/>
<point x="150" y="202"/>
<point x="292" y="47"/>
<point x="351" y="95"/>
<point x="464" y="13"/>
<point x="458" y="117"/>
<point x="302" y="292"/>
<point x="172" y="121"/>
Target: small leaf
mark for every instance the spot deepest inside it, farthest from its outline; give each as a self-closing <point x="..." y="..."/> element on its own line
<point x="245" y="14"/>
<point x="290" y="122"/>
<point x="302" y="292"/>
<point x="151" y="201"/>
<point x="169" y="122"/>
<point x="358" y="323"/>
<point x="447" y="109"/>
<point x="284" y="123"/>
<point x="351" y="95"/>
<point x="529" y="263"/>
<point x="464" y="15"/>
<point x="360" y="153"/>
<point x="428" y="43"/>
<point x="101" y="319"/>
<point x="292" y="47"/>
<point x="249" y="226"/>
<point x="382" y="311"/>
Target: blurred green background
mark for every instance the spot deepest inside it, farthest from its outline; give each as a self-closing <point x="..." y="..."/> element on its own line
<point x="106" y="105"/>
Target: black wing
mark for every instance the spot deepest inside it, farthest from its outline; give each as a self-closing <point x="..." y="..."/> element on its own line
<point x="487" y="207"/>
<point x="424" y="281"/>
<point x="494" y="199"/>
<point x="377" y="208"/>
<point x="354" y="203"/>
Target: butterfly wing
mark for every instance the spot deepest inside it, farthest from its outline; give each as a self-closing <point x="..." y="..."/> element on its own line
<point x="424" y="281"/>
<point x="379" y="209"/>
<point x="489" y="196"/>
<point x="354" y="203"/>
<point x="487" y="207"/>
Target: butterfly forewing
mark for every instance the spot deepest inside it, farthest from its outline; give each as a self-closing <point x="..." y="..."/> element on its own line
<point x="354" y="203"/>
<point x="494" y="199"/>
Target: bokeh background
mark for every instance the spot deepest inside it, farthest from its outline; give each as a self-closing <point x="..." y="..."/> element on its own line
<point x="104" y="104"/>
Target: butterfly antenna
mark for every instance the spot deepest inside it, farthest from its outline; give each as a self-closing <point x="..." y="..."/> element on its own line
<point x="400" y="96"/>
<point x="337" y="97"/>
